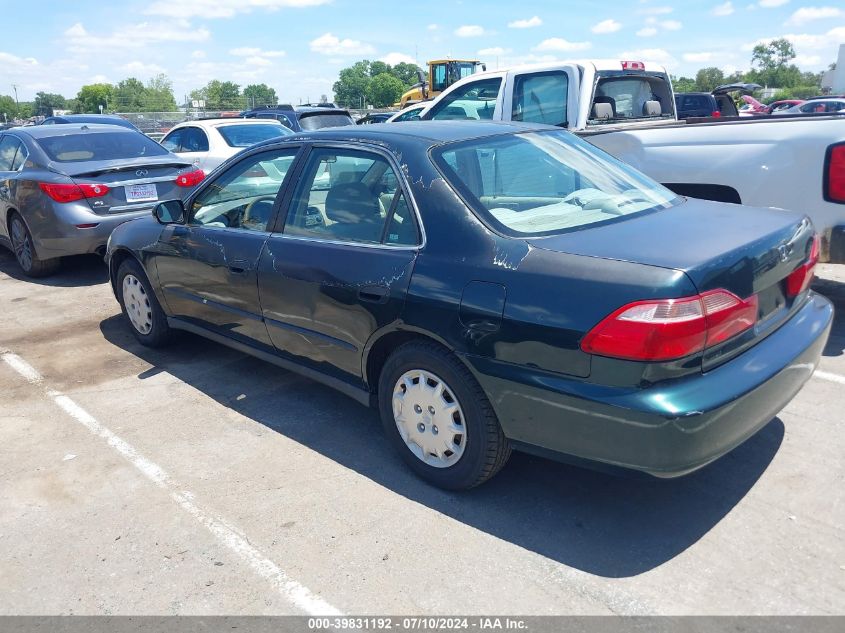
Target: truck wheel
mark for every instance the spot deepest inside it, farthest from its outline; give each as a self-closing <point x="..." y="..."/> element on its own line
<point x="29" y="262"/>
<point x="439" y="419"/>
<point x="139" y="305"/>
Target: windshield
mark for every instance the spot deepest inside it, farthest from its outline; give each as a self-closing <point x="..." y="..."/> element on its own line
<point x="72" y="148"/>
<point x="620" y="96"/>
<point x="546" y="182"/>
<point x="318" y="120"/>
<point x="244" y="135"/>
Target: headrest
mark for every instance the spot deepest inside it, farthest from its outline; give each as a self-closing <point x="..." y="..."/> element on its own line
<point x="602" y="111"/>
<point x="350" y="203"/>
<point x="652" y="108"/>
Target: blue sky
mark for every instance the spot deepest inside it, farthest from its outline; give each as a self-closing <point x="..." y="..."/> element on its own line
<point x="298" y="46"/>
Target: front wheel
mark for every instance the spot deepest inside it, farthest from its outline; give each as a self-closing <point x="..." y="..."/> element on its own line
<point x="439" y="419"/>
<point x="28" y="260"/>
<point x="140" y="306"/>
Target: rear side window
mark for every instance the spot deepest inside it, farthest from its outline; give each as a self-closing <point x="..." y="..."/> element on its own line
<point x="20" y="157"/>
<point x="8" y="150"/>
<point x="475" y="100"/>
<point x="173" y="141"/>
<point x="541" y="98"/>
<point x="194" y="140"/>
<point x="96" y="146"/>
<point x="318" y="120"/>
<point x="244" y="135"/>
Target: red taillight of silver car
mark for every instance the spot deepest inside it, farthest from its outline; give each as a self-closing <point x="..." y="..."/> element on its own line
<point x="190" y="179"/>
<point x="71" y="192"/>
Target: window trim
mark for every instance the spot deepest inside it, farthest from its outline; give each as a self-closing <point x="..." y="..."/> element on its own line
<point x="281" y="218"/>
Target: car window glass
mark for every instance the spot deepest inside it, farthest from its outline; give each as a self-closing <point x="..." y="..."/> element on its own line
<point x="173" y="141"/>
<point x="8" y="149"/>
<point x="243" y="196"/>
<point x="541" y="98"/>
<point x="475" y="100"/>
<point x="20" y="157"/>
<point x="244" y="135"/>
<point x="100" y="146"/>
<point x="402" y="230"/>
<point x="413" y="115"/>
<point x="345" y="195"/>
<point x="194" y="140"/>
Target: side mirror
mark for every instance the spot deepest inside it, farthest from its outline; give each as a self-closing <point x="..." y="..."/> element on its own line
<point x="169" y="212"/>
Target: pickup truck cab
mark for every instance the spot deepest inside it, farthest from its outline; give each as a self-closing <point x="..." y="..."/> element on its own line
<point x="627" y="108"/>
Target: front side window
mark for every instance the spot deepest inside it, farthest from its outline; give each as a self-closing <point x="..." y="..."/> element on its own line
<point x="475" y="100"/>
<point x="243" y="197"/>
<point x="411" y="115"/>
<point x="541" y="98"/>
<point x="351" y="196"/>
<point x="546" y="182"/>
<point x="173" y="141"/>
<point x="99" y="146"/>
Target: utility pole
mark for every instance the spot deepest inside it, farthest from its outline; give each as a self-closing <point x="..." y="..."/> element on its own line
<point x="15" y="88"/>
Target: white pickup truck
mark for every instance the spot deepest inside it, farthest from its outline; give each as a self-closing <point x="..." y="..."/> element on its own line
<point x="628" y="109"/>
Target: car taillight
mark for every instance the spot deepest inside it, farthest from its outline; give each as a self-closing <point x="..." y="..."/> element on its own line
<point x="799" y="280"/>
<point x="715" y="114"/>
<point x="667" y="329"/>
<point x="191" y="179"/>
<point x="71" y="192"/>
<point x="834" y="177"/>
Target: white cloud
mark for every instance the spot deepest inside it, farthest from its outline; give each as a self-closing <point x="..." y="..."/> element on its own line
<point x="432" y="27"/>
<point x="648" y="31"/>
<point x="223" y="8"/>
<point x="328" y="44"/>
<point x="79" y="40"/>
<point x="248" y="51"/>
<point x="140" y="69"/>
<point x="398" y="58"/>
<point x="807" y="60"/>
<point x="655" y="10"/>
<point x="814" y="50"/>
<point x="671" y="25"/>
<point x="606" y="26"/>
<point x="198" y="54"/>
<point x="808" y="14"/>
<point x="771" y="4"/>
<point x="698" y="57"/>
<point x="469" y="30"/>
<point x="655" y="55"/>
<point x="559" y="44"/>
<point x="723" y="9"/>
<point x="495" y="51"/>
<point x="525" y="24"/>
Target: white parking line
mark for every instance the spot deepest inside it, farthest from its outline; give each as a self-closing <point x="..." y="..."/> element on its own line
<point x="824" y="375"/>
<point x="292" y="591"/>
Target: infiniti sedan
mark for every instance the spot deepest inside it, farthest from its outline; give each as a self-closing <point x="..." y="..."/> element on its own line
<point x="63" y="188"/>
<point x="489" y="287"/>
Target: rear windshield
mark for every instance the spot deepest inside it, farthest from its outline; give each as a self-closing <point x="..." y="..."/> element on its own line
<point x="244" y="135"/>
<point x="318" y="120"/>
<point x="539" y="183"/>
<point x="74" y="148"/>
<point x="639" y="96"/>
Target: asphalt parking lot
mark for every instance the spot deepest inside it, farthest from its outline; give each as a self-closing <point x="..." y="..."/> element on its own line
<point x="196" y="480"/>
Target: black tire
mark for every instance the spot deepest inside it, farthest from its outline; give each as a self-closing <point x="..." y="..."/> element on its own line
<point x="486" y="450"/>
<point x="22" y="246"/>
<point x="159" y="332"/>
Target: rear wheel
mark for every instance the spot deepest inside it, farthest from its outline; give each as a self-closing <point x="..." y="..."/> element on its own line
<point x="29" y="262"/>
<point x="139" y="305"/>
<point x="438" y="417"/>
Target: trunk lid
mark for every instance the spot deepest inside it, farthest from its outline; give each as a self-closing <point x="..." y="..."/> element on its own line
<point x="745" y="250"/>
<point x="742" y="88"/>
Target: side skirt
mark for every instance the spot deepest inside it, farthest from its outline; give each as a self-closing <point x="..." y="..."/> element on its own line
<point x="360" y="395"/>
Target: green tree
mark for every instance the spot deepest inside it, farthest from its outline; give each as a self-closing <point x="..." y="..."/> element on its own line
<point x="92" y="96"/>
<point x="8" y="108"/>
<point x="45" y="103"/>
<point x="259" y="95"/>
<point x="350" y="89"/>
<point x="406" y="73"/>
<point x="772" y="67"/>
<point x="160" y="97"/>
<point x="130" y="95"/>
<point x="384" y="90"/>
<point x="219" y="95"/>
<point x="708" y="78"/>
<point x="683" y="84"/>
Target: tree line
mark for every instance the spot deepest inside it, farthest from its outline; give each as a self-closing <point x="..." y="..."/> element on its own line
<point x="373" y="83"/>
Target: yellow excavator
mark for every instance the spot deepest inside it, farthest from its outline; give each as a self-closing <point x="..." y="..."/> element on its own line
<point x="442" y="73"/>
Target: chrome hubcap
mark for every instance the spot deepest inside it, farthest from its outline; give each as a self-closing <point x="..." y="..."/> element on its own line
<point x="429" y="418"/>
<point x="21" y="244"/>
<point x="137" y="304"/>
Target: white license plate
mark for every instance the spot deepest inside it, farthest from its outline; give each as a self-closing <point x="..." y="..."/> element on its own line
<point x="141" y="193"/>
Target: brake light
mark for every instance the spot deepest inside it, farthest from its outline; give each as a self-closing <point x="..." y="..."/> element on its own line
<point x="834" y="178"/>
<point x="799" y="280"/>
<point x="191" y="179"/>
<point x="71" y="192"/>
<point x="668" y="329"/>
<point x="633" y="66"/>
<point x="715" y="114"/>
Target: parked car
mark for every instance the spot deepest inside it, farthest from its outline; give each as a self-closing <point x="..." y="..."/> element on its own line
<point x="817" y="106"/>
<point x="304" y="117"/>
<point x="778" y="107"/>
<point x="208" y="142"/>
<point x="717" y="103"/>
<point x="411" y="113"/>
<point x="489" y="286"/>
<point x="100" y="119"/>
<point x="63" y="188"/>
<point x="374" y="117"/>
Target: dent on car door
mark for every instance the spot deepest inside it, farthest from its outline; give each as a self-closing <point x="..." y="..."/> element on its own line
<point x="340" y="269"/>
<point x="207" y="267"/>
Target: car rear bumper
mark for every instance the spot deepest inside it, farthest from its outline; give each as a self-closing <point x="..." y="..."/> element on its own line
<point x="668" y="429"/>
<point x="61" y="235"/>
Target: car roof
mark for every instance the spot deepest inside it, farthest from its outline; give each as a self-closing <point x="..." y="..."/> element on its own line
<point x="223" y="121"/>
<point x="49" y="131"/>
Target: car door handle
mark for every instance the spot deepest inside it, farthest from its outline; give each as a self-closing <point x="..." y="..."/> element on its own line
<point x="374" y="294"/>
<point x="239" y="267"/>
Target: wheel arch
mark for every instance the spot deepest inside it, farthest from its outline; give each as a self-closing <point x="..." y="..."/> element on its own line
<point x="118" y="256"/>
